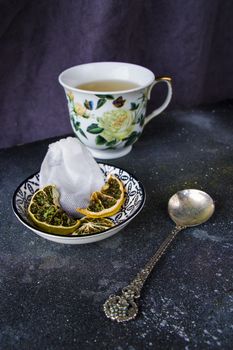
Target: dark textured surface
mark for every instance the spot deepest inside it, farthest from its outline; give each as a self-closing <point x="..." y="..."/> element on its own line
<point x="52" y="295"/>
<point x="188" y="40"/>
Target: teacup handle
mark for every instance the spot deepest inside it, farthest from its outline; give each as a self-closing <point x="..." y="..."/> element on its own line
<point x="157" y="111"/>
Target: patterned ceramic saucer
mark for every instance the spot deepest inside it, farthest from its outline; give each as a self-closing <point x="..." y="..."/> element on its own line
<point x="133" y="204"/>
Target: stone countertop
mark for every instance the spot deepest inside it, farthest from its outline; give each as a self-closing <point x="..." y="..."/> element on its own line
<point x="52" y="294"/>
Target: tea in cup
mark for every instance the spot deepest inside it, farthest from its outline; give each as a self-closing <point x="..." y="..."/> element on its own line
<point x="107" y="104"/>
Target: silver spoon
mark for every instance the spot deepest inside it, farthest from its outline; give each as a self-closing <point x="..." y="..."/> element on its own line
<point x="186" y="208"/>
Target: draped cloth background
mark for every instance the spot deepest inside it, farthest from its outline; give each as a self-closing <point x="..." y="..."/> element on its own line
<point x="190" y="40"/>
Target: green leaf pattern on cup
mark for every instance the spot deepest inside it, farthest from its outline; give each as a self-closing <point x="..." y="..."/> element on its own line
<point x="94" y="129"/>
<point x="100" y="140"/>
<point x="134" y="106"/>
<point x="113" y="126"/>
<point x="101" y="102"/>
<point x="108" y="97"/>
<point x="77" y="128"/>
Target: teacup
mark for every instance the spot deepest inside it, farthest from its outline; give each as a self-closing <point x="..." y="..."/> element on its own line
<point x="110" y="122"/>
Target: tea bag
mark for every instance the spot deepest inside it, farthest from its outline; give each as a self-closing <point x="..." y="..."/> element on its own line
<point x="70" y="166"/>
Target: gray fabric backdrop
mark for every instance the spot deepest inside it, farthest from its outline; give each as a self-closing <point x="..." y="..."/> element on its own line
<point x="191" y="40"/>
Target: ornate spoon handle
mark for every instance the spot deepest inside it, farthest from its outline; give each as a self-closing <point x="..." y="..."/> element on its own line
<point x="124" y="308"/>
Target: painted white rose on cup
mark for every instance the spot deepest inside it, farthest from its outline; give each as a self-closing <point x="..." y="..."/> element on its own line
<point x="117" y="125"/>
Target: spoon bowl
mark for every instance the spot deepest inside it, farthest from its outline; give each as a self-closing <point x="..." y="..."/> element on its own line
<point x="190" y="207"/>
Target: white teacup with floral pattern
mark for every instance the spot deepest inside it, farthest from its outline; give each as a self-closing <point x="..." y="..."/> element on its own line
<point x="109" y="123"/>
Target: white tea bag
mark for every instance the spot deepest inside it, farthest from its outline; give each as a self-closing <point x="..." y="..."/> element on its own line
<point x="70" y="166"/>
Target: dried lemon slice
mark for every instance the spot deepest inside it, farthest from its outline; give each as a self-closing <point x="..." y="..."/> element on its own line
<point x="92" y="225"/>
<point x="107" y="202"/>
<point x="114" y="188"/>
<point x="45" y="211"/>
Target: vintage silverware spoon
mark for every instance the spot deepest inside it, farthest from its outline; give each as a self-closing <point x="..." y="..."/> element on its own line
<point x="186" y="208"/>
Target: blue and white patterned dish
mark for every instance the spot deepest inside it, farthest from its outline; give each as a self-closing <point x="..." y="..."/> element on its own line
<point x="133" y="204"/>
